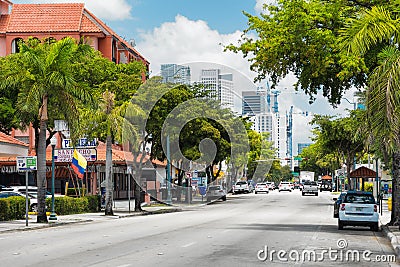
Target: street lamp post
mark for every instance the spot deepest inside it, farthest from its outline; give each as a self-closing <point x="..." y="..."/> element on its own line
<point x="53" y="142"/>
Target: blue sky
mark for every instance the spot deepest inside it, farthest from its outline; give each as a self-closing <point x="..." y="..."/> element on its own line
<point x="222" y="15"/>
<point x="193" y="31"/>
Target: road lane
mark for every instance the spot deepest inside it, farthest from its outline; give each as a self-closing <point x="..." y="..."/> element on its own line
<point x="227" y="233"/>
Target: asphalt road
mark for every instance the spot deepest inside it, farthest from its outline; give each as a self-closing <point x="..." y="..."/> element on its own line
<point x="232" y="233"/>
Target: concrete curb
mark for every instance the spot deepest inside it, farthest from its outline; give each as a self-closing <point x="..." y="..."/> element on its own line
<point x="118" y="215"/>
<point x="145" y="212"/>
<point x="392" y="238"/>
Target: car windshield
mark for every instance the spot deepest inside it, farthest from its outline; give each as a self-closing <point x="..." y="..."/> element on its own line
<point x="359" y="198"/>
<point x="241" y="182"/>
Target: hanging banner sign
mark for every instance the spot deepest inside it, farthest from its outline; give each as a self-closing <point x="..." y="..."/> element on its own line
<point x="65" y="155"/>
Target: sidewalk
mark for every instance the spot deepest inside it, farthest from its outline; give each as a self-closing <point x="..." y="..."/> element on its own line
<point x="120" y="208"/>
<point x="391" y="232"/>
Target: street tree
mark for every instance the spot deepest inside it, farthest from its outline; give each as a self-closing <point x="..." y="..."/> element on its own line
<point x="116" y="84"/>
<point x="43" y="74"/>
<point x="376" y="31"/>
<point x="340" y="136"/>
<point x="300" y="37"/>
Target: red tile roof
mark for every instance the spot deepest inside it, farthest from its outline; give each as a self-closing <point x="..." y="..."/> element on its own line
<point x="87" y="25"/>
<point x="4" y="138"/>
<point x="45" y="18"/>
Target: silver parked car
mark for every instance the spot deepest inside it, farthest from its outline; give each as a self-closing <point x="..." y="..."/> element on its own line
<point x="215" y="192"/>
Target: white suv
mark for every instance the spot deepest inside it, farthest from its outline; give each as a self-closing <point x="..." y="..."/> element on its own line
<point x="358" y="208"/>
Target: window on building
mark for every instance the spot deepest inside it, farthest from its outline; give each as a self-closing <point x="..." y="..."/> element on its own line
<point x="15" y="45"/>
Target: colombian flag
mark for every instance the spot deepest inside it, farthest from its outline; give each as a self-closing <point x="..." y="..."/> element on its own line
<point x="79" y="164"/>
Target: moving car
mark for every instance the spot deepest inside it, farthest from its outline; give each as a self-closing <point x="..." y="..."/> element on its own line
<point x="285" y="186"/>
<point x="261" y="188"/>
<point x="358" y="208"/>
<point x="337" y="203"/>
<point x="326" y="185"/>
<point x="271" y="185"/>
<point x="310" y="187"/>
<point x="241" y="187"/>
<point x="215" y="192"/>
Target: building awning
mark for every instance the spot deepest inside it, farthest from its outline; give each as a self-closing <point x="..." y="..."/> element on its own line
<point x="363" y="172"/>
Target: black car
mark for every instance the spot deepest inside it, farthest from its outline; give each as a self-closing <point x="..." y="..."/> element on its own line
<point x="337" y="203"/>
<point x="325" y="186"/>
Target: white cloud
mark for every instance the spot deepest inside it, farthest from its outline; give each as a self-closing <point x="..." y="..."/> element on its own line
<point x="110" y="10"/>
<point x="186" y="41"/>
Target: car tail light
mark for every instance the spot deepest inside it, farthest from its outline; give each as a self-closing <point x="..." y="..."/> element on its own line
<point x="343" y="207"/>
<point x="375" y="208"/>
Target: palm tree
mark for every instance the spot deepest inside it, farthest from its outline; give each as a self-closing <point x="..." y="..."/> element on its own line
<point x="45" y="78"/>
<point x="373" y="29"/>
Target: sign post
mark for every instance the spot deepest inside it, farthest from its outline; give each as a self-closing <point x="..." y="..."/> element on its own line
<point x="26" y="164"/>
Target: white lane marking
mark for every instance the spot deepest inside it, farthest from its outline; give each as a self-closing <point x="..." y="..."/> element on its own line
<point x="188" y="245"/>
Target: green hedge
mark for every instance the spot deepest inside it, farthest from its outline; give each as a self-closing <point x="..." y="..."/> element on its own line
<point x="12" y="208"/>
<point x="71" y="205"/>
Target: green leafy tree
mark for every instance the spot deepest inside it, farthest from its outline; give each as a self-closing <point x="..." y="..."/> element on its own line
<point x="340" y="136"/>
<point x="116" y="83"/>
<point x="375" y="32"/>
<point x="43" y="73"/>
<point x="299" y="36"/>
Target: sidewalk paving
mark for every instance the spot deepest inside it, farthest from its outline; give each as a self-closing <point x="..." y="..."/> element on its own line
<point x="391" y="232"/>
<point x="121" y="209"/>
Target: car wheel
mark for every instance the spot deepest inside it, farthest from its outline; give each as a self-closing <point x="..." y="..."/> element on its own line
<point x="302" y="193"/>
<point x="316" y="194"/>
<point x="224" y="198"/>
<point x="375" y="227"/>
<point x="34" y="207"/>
<point x="335" y="215"/>
<point x="340" y="225"/>
<point x="255" y="192"/>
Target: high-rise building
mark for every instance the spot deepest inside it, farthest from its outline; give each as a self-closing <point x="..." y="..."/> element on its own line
<point x="254" y="102"/>
<point x="280" y="137"/>
<point x="173" y="73"/>
<point x="301" y="146"/>
<point x="219" y="86"/>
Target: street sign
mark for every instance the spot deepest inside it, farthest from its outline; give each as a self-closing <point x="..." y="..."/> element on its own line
<point x="28" y="163"/>
<point x="65" y="155"/>
<point x="386" y="187"/>
<point x="298" y="158"/>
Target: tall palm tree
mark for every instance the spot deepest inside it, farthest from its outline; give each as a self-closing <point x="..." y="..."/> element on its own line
<point x="45" y="78"/>
<point x="109" y="122"/>
<point x="375" y="28"/>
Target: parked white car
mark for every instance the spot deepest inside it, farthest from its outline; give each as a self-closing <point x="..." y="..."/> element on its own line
<point x="32" y="198"/>
<point x="358" y="208"/>
<point x="261" y="188"/>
